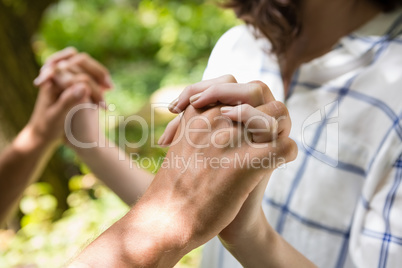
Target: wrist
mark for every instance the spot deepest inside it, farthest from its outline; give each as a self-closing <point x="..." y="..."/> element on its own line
<point x="86" y="146"/>
<point x="29" y="140"/>
<point x="164" y="236"/>
<point x="255" y="247"/>
<point x="253" y="230"/>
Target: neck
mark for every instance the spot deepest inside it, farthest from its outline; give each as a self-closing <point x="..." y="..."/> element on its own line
<point x="323" y="24"/>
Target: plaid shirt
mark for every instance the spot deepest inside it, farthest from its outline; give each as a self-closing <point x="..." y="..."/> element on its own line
<point x="340" y="202"/>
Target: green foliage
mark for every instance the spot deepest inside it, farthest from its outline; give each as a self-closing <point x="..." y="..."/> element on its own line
<point x="44" y="243"/>
<point x="146" y="45"/>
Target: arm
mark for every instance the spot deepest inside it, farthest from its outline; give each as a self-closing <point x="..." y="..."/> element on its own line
<point x="249" y="237"/>
<point x="21" y="164"/>
<point x="185" y="206"/>
<point x="143" y="238"/>
<point x="111" y="165"/>
<point x="262" y="246"/>
<point x="23" y="161"/>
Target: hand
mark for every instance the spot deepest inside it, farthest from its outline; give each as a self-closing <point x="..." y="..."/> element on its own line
<point x="258" y="110"/>
<point x="251" y="104"/>
<point x="203" y="199"/>
<point x="68" y="67"/>
<point x="51" y="108"/>
<point x="208" y="173"/>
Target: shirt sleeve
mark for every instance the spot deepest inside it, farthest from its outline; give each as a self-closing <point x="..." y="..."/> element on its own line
<point x="222" y="53"/>
<point x="376" y="235"/>
<point x="238" y="53"/>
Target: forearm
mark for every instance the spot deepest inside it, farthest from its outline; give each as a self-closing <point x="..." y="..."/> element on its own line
<point x="111" y="165"/>
<point x="146" y="237"/>
<point x="264" y="247"/>
<point x="21" y="164"/>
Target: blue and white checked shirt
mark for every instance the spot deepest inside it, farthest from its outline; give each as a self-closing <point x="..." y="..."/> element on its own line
<point x="340" y="202"/>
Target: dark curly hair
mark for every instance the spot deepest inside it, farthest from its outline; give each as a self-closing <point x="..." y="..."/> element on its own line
<point x="279" y="20"/>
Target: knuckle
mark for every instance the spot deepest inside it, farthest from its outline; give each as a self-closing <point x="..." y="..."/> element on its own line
<point x="263" y="86"/>
<point x="189" y="90"/>
<point x="265" y="91"/>
<point x="81" y="84"/>
<point x="290" y="149"/>
<point x="83" y="78"/>
<point x="280" y="108"/>
<point x="72" y="49"/>
<point x="246" y="109"/>
<point x="62" y="65"/>
<point x="229" y="78"/>
<point x="82" y="57"/>
<point x="255" y="90"/>
<point x="222" y="138"/>
<point x="212" y="113"/>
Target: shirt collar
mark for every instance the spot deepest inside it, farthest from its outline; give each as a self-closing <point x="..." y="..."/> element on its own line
<point x="382" y="27"/>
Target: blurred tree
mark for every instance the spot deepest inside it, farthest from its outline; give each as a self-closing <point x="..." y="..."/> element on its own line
<point x="19" y="20"/>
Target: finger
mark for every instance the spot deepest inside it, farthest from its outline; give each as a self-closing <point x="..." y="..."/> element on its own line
<point x="278" y="110"/>
<point x="66" y="79"/>
<point x="63" y="79"/>
<point x="64" y="74"/>
<point x="45" y="75"/>
<point x="47" y="95"/>
<point x="47" y="71"/>
<point x="93" y="68"/>
<point x="68" y="66"/>
<point x="181" y="103"/>
<point x="170" y="132"/>
<point x="65" y="65"/>
<point x="263" y="127"/>
<point x="96" y="92"/>
<point x="254" y="94"/>
<point x="61" y="55"/>
<point x="68" y="99"/>
<point x="273" y="154"/>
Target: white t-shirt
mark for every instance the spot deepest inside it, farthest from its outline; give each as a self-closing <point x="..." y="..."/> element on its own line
<point x="340" y="202"/>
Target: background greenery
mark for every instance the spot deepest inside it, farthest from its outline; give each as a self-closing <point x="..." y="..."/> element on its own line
<point x="147" y="45"/>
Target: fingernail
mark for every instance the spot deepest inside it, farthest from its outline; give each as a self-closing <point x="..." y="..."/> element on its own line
<point x="39" y="80"/>
<point x="161" y="139"/>
<point x="226" y="109"/>
<point x="42" y="77"/>
<point x="195" y="97"/>
<point x="173" y="104"/>
<point x="79" y="92"/>
<point x="36" y="81"/>
<point x="44" y="67"/>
